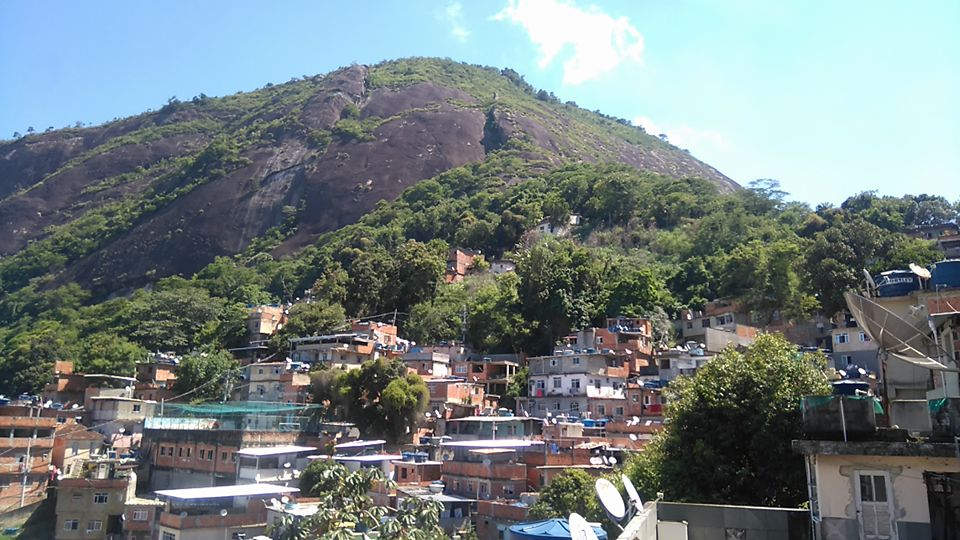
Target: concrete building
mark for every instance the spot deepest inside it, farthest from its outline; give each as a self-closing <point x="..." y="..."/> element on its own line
<point x="117" y="414"/>
<point x="428" y="364"/>
<point x="217" y="512"/>
<point x="586" y="382"/>
<point x="459" y="263"/>
<point x="866" y="482"/>
<point x="74" y="444"/>
<point x="493" y="371"/>
<point x="851" y="346"/>
<point x="473" y="428"/>
<point x="91" y="500"/>
<point x="364" y="342"/>
<point x="276" y="382"/>
<point x="26" y="445"/>
<point x="723" y="314"/>
<point x="279" y="465"/>
<point x="265" y="320"/>
<point x="156" y="378"/>
<point x="139" y="518"/>
<point x="455" y="392"/>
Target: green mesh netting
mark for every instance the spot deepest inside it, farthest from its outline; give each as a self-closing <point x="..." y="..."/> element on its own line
<point x="820" y="401"/>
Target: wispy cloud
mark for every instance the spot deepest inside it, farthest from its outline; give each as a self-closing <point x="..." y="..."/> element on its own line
<point x="684" y="136"/>
<point x="599" y="41"/>
<point x="453" y="15"/>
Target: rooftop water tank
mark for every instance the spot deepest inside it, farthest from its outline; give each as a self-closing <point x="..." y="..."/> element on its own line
<point x="945" y="274"/>
<point x="896" y="283"/>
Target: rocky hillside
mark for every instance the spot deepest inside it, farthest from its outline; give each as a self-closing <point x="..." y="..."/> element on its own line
<point x="119" y="205"/>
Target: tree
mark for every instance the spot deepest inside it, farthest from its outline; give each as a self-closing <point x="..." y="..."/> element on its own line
<point x="309" y="319"/>
<point x="382" y="398"/>
<point x="729" y="430"/>
<point x="320" y="477"/>
<point x="570" y="491"/>
<point x="208" y="376"/>
<point x="104" y="352"/>
<point x="345" y="508"/>
<point x="637" y="292"/>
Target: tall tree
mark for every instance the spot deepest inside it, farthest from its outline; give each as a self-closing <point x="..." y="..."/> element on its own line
<point x="730" y="427"/>
<point x="207" y="376"/>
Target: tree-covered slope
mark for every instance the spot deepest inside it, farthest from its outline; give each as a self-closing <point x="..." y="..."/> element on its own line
<point x="123" y="204"/>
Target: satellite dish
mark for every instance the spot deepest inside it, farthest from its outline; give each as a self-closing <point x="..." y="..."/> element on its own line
<point x="595" y="461"/>
<point x="223" y="512"/>
<point x="274" y="501"/>
<point x="580" y="529"/>
<point x="898" y="337"/>
<point x="862" y="371"/>
<point x="286" y="465"/>
<point x="284" y="499"/>
<point x="920" y="271"/>
<point x="632" y="492"/>
<point x="633" y="437"/>
<point x="636" y="420"/>
<point x="183" y="514"/>
<point x="610" y="499"/>
<point x="613" y="460"/>
<point x="871" y="284"/>
<point x="553" y="420"/>
<point x="842" y="373"/>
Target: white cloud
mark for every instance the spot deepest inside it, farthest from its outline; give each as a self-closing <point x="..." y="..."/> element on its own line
<point x="453" y="15"/>
<point x="599" y="41"/>
<point x="684" y="136"/>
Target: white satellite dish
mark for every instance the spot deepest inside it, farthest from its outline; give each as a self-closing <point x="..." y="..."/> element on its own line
<point x="223" y="512"/>
<point x="183" y="514"/>
<point x="284" y="499"/>
<point x="610" y="499"/>
<point x="633" y="437"/>
<point x="871" y="284"/>
<point x="595" y="461"/>
<point x="580" y="529"/>
<point x="274" y="501"/>
<point x="920" y="271"/>
<point x="286" y="465"/>
<point x="862" y="371"/>
<point x="613" y="460"/>
<point x="636" y="420"/>
<point x="632" y="492"/>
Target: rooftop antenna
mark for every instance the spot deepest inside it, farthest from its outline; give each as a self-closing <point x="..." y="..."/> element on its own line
<point x="611" y="501"/>
<point x="580" y="529"/>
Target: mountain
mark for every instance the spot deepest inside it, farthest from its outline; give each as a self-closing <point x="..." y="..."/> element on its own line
<point x="120" y="205"/>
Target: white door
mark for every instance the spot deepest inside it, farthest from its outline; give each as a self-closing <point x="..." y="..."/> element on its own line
<point x="875" y="506"/>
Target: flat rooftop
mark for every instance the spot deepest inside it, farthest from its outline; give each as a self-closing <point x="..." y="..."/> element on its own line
<point x="274" y="450"/>
<point x="369" y="458"/>
<point x="359" y="444"/>
<point x="242" y="490"/>
<point x="492" y="443"/>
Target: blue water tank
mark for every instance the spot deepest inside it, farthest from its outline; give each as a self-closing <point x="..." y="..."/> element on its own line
<point x="896" y="283"/>
<point x="945" y="274"/>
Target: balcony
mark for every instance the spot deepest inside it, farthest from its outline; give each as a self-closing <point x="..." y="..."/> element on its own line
<point x="24" y="442"/>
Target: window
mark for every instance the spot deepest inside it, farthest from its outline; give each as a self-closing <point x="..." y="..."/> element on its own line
<point x="618" y="411"/>
<point x="601" y="410"/>
<point x="576" y="360"/>
<point x="646" y="400"/>
<point x="556" y="406"/>
<point x="553" y="362"/>
<point x="260" y="371"/>
<point x="689" y="325"/>
<point x="541" y="384"/>
<point x="163" y="451"/>
<point x="874" y="504"/>
<point x="403" y="472"/>
<point x="203" y="453"/>
<point x="575" y="384"/>
<point x="508" y="489"/>
<point x="705" y="323"/>
<point x="557" y="383"/>
<point x="74" y="449"/>
<point x="843" y="338"/>
<point x="136" y="407"/>
<point x="233" y="457"/>
<point x="94" y="525"/>
<point x="188" y="451"/>
<point x="575" y="406"/>
<point x="223" y="456"/>
<point x="460" y="368"/>
<point x="635" y="398"/>
<point x="139" y="515"/>
<point x="864" y="338"/>
<point x="261" y="389"/>
<point x="180" y="452"/>
<point x="71" y="524"/>
<point x="100" y="498"/>
<point x="168" y="536"/>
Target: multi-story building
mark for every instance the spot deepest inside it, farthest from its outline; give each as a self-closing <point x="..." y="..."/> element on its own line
<point x="490" y="427"/>
<point x="156" y="378"/>
<point x="274" y="382"/>
<point x="26" y="445"/>
<point x="493" y="371"/>
<point x="74" y="444"/>
<point x="458" y="394"/>
<point x="719" y="314"/>
<point x="199" y="445"/>
<point x="92" y="499"/>
<point x="486" y="469"/>
<point x="140" y="516"/>
<point x="230" y="512"/>
<point x="114" y="415"/>
<point x="264" y="321"/>
<point x="279" y="465"/>
<point x="852" y="348"/>
<point x="868" y="483"/>
<point x="681" y="360"/>
<point x="364" y="342"/>
<point x="577" y="382"/>
<point x="459" y="262"/>
<point x="428" y="364"/>
<point x="630" y="338"/>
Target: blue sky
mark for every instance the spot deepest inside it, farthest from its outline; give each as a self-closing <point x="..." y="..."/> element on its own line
<point x="830" y="98"/>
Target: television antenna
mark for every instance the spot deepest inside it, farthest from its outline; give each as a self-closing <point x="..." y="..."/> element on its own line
<point x="580" y="529"/>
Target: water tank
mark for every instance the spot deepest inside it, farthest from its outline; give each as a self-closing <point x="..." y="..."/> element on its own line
<point x="945" y="274"/>
<point x="896" y="283"/>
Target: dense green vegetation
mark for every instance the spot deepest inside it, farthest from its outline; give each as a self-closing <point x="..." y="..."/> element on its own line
<point x="719" y="446"/>
<point x="648" y="244"/>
